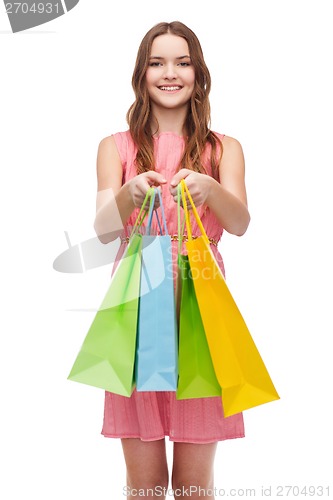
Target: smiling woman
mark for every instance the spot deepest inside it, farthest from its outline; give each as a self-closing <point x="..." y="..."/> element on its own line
<point x="170" y="77"/>
<point x="168" y="140"/>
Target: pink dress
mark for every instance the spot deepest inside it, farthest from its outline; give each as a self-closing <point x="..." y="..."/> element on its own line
<point x="154" y="415"/>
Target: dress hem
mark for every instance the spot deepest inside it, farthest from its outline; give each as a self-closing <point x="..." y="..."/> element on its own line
<point x="172" y="439"/>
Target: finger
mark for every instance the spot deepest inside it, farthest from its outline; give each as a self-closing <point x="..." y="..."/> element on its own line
<point x="182" y="174"/>
<point x="155" y="178"/>
<point x="188" y="204"/>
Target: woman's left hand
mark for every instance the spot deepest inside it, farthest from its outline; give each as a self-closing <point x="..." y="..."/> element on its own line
<point x="197" y="184"/>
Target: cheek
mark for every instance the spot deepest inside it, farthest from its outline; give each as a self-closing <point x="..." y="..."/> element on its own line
<point x="191" y="78"/>
<point x="150" y="76"/>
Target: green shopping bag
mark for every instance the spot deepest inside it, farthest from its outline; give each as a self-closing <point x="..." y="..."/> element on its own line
<point x="106" y="358"/>
<point x="197" y="377"/>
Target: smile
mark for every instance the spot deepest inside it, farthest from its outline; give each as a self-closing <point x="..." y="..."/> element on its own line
<point x="170" y="88"/>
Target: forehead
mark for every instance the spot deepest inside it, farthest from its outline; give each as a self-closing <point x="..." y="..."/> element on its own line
<point x="169" y="45"/>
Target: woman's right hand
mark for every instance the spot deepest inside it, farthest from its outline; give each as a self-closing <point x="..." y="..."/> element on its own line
<point x="116" y="201"/>
<point x="140" y="184"/>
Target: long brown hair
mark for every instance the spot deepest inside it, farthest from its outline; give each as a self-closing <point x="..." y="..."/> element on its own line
<point x="196" y="126"/>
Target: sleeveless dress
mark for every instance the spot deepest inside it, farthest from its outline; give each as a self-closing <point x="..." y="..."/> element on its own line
<point x="153" y="415"/>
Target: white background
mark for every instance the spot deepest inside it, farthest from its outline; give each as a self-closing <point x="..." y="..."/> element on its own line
<point x="66" y="85"/>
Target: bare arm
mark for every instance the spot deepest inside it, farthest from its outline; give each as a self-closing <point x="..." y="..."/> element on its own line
<point x="227" y="198"/>
<point x="115" y="202"/>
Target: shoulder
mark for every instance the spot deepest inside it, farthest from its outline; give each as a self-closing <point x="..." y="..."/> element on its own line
<point x="232" y="149"/>
<point x="109" y="161"/>
<point x="231" y="142"/>
<point x="232" y="168"/>
<point x="107" y="154"/>
<point x="227" y="141"/>
<point x="107" y="144"/>
<point x="118" y="139"/>
<point x="119" y="144"/>
<point x="232" y="163"/>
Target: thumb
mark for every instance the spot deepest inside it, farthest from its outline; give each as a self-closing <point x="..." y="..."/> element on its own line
<point x="184" y="172"/>
<point x="155" y="177"/>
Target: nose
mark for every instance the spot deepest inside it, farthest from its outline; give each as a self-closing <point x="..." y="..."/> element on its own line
<point x="170" y="72"/>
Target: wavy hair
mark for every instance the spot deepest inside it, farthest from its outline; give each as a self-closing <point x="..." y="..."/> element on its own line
<point x="196" y="126"/>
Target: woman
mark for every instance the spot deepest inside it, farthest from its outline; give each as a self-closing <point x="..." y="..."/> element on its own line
<point x="168" y="140"/>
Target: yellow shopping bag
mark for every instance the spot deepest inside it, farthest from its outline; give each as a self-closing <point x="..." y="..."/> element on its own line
<point x="238" y="365"/>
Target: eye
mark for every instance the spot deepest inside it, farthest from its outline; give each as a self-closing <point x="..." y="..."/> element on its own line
<point x="155" y="63"/>
<point x="184" y="64"/>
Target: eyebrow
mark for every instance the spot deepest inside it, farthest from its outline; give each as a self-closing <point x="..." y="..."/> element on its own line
<point x="177" y="58"/>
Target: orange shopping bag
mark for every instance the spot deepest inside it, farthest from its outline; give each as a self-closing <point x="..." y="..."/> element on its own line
<point x="238" y="365"/>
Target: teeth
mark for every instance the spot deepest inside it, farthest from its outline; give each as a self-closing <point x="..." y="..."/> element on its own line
<point x="170" y="88"/>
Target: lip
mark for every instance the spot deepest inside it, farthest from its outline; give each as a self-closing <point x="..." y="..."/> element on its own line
<point x="170" y="89"/>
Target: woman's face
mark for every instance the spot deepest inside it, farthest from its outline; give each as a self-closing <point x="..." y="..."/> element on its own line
<point x="170" y="76"/>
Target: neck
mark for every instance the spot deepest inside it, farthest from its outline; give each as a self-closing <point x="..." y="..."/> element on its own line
<point x="169" y="120"/>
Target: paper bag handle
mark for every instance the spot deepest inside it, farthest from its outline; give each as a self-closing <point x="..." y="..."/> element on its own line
<point x="152" y="210"/>
<point x="184" y="190"/>
<point x="143" y="212"/>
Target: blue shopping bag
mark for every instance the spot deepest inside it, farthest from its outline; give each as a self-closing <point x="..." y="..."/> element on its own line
<point x="156" y="363"/>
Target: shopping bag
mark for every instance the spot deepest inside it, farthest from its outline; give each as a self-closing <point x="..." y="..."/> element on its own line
<point x="238" y="365"/>
<point x="106" y="358"/>
<point x="156" y="363"/>
<point x="196" y="375"/>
